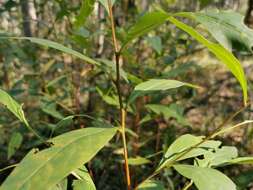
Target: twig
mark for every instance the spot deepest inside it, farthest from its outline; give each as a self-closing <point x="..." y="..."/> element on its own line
<point x="188" y="185"/>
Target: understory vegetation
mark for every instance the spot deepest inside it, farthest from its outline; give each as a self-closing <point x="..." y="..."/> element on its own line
<point x="125" y="94"/>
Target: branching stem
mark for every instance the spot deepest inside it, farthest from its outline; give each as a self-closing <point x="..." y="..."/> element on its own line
<point x="118" y="86"/>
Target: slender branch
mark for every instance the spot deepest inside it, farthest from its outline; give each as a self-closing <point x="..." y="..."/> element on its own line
<point x="8" y="167"/>
<point x="118" y="86"/>
<point x="188" y="185"/>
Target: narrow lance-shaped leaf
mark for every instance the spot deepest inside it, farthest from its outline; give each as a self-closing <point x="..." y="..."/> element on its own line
<point x="144" y="25"/>
<point x="14" y="144"/>
<point x="206" y="178"/>
<point x="12" y="106"/>
<point x="86" y="9"/>
<point x="138" y="161"/>
<point x="220" y="52"/>
<point x="227" y="27"/>
<point x="16" y="109"/>
<point x="69" y="151"/>
<point x="151" y="185"/>
<point x="156" y="85"/>
<point x="161" y="84"/>
<point x="57" y="46"/>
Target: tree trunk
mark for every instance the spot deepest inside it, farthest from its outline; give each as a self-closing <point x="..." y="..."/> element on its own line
<point x="29" y="17"/>
<point x="249" y="14"/>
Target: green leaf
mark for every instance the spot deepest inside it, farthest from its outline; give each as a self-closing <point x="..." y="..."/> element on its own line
<point x="50" y="109"/>
<point x="109" y="99"/>
<point x="109" y="67"/>
<point x="14" y="144"/>
<point x="220" y="52"/>
<point x="151" y="185"/>
<point x="153" y="85"/>
<point x="12" y="106"/>
<point x="144" y="25"/>
<point x="86" y="9"/>
<point x="206" y="178"/>
<point x="57" y="46"/>
<point x="185" y="143"/>
<point x="218" y="157"/>
<point x="55" y="81"/>
<point x="70" y="151"/>
<point x="161" y="85"/>
<point x="227" y="27"/>
<point x="171" y="111"/>
<point x="105" y="4"/>
<point x="16" y="109"/>
<point x="82" y="32"/>
<point x="156" y="43"/>
<point x="84" y="180"/>
<point x="82" y="185"/>
<point x="138" y="161"/>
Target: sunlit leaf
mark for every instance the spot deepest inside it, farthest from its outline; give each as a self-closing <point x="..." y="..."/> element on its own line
<point x="151" y="185"/>
<point x="220" y="52"/>
<point x="57" y="46"/>
<point x="161" y="85"/>
<point x="69" y="151"/>
<point x="154" y="85"/>
<point x="206" y="178"/>
<point x="138" y="161"/>
<point x="227" y="27"/>
<point x="185" y="143"/>
<point x="218" y="156"/>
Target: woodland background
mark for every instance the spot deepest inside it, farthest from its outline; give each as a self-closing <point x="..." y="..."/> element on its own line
<point x="53" y="85"/>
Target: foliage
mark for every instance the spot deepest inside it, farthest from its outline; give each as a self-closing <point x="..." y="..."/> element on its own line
<point x="114" y="81"/>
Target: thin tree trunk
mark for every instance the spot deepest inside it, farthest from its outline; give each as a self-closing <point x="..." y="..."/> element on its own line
<point x="144" y="5"/>
<point x="29" y="17"/>
<point x="249" y="14"/>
